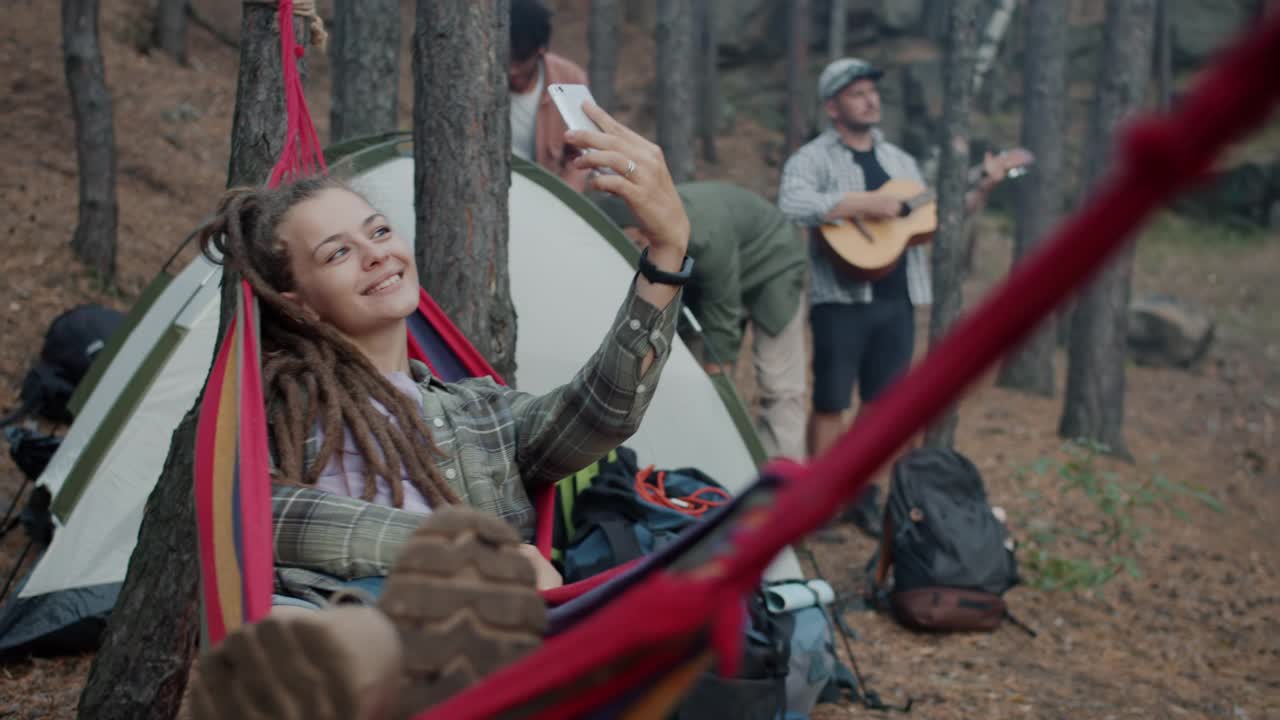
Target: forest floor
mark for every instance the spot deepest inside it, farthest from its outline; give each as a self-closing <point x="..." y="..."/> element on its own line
<point x="1192" y="632"/>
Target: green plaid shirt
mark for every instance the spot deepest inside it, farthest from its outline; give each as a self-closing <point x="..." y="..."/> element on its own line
<point x="499" y="445"/>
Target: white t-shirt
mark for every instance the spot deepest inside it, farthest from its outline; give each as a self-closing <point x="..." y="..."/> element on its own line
<point x="524" y="119"/>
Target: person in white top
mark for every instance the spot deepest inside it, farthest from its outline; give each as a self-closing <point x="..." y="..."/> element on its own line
<point x="537" y="130"/>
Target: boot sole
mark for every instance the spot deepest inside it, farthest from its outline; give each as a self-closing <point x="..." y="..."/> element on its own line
<point x="459" y="603"/>
<point x="462" y="598"/>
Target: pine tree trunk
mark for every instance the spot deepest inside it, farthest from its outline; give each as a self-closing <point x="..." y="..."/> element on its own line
<point x="94" y="240"/>
<point x="838" y="28"/>
<point x="462" y="169"/>
<point x="798" y="80"/>
<point x="1164" y="55"/>
<point x="170" y="32"/>
<point x="1044" y="82"/>
<point x="949" y="242"/>
<point x="1094" y="407"/>
<point x="603" y="36"/>
<point x="365" y="54"/>
<point x="708" y="70"/>
<point x="676" y="33"/>
<point x="141" y="670"/>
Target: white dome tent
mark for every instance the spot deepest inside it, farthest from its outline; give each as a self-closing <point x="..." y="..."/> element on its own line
<point x="149" y="377"/>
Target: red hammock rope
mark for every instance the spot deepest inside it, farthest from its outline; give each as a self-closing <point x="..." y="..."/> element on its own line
<point x="302" y="154"/>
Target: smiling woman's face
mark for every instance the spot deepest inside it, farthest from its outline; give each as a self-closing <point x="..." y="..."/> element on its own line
<point x="349" y="267"/>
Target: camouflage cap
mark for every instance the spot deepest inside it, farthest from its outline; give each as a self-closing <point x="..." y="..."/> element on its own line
<point x="840" y="73"/>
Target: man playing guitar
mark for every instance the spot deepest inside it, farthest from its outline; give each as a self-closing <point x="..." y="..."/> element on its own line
<point x="863" y="331"/>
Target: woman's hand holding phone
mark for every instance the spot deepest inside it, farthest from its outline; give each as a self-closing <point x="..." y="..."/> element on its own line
<point x="640" y="177"/>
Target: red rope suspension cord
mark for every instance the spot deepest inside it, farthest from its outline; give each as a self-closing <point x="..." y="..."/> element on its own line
<point x="302" y="154"/>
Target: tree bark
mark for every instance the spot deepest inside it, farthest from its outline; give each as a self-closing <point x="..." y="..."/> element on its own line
<point x="708" y="70"/>
<point x="1164" y="55"/>
<point x="675" y="35"/>
<point x="141" y="670"/>
<point x="170" y="32"/>
<point x="798" y="80"/>
<point x="603" y="36"/>
<point x="1094" y="407"/>
<point x="462" y="169"/>
<point x="838" y="29"/>
<point x="949" y="241"/>
<point x="1044" y="83"/>
<point x="365" y="54"/>
<point x="94" y="240"/>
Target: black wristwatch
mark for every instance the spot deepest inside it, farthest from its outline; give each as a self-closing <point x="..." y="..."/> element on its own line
<point x="662" y="277"/>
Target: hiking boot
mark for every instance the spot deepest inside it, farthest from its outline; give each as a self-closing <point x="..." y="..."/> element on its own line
<point x="462" y="597"/>
<point x="459" y="604"/>
<point x="866" y="514"/>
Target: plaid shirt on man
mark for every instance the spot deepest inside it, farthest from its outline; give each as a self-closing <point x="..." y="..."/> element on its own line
<point x="498" y="444"/>
<point x="814" y="180"/>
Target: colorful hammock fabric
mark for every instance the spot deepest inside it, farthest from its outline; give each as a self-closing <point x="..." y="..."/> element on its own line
<point x="609" y="654"/>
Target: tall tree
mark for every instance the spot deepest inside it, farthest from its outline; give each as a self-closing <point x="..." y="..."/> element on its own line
<point x="838" y="29"/>
<point x="798" y="81"/>
<point x="603" y="36"/>
<point x="141" y="670"/>
<point x="94" y="240"/>
<point x="1094" y="407"/>
<point x="462" y="169"/>
<point x="675" y="33"/>
<point x="1044" y="93"/>
<point x="1164" y="55"/>
<point x="949" y="242"/>
<point x="365" y="56"/>
<point x="708" y="69"/>
<point x="170" y="31"/>
<point x="992" y="36"/>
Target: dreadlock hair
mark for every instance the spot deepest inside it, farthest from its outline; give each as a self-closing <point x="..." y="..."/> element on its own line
<point x="312" y="373"/>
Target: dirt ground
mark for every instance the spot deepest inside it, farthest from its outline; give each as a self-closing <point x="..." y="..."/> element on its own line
<point x="1195" y="635"/>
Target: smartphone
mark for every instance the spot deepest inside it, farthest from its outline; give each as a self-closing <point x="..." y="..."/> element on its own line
<point x="569" y="100"/>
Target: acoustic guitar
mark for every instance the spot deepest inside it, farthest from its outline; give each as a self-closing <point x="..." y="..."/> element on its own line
<point x="869" y="249"/>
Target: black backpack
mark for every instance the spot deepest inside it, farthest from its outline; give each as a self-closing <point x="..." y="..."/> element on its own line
<point x="951" y="558"/>
<point x="72" y="342"/>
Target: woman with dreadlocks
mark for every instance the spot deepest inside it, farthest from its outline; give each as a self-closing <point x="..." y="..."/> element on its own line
<point x="365" y="443"/>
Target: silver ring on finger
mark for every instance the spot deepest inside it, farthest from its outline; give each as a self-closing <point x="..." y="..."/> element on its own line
<point x="631" y="167"/>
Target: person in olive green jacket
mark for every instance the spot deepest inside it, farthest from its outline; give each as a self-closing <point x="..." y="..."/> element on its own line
<point x="749" y="266"/>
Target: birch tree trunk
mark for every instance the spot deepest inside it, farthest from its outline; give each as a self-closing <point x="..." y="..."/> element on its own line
<point x="949" y="242"/>
<point x="141" y="670"/>
<point x="1094" y="407"/>
<point x="676" y="34"/>
<point x="462" y="169"/>
<point x="365" y="56"/>
<point x="1044" y="83"/>
<point x="992" y="36"/>
<point x="94" y="240"/>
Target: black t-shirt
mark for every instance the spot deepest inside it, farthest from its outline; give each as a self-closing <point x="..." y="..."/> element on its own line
<point x="894" y="285"/>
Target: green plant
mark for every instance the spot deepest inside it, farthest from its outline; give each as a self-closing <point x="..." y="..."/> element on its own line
<point x="1103" y="546"/>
